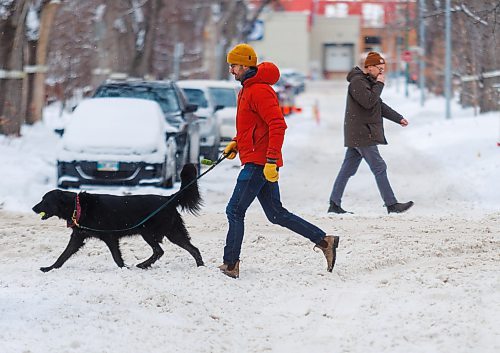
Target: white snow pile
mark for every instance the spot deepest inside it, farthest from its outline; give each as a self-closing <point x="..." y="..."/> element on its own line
<point x="423" y="281"/>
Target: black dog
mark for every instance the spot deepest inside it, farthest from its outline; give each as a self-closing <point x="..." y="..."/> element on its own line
<point x="110" y="218"/>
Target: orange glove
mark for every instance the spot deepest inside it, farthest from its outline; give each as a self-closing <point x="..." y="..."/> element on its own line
<point x="271" y="171"/>
<point x="231" y="150"/>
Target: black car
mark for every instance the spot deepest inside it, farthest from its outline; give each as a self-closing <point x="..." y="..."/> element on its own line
<point x="178" y="112"/>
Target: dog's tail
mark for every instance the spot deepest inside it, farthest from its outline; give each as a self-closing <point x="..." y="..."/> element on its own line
<point x="189" y="198"/>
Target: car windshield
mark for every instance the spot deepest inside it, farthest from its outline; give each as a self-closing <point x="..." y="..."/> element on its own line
<point x="165" y="97"/>
<point x="223" y="96"/>
<point x="196" y="96"/>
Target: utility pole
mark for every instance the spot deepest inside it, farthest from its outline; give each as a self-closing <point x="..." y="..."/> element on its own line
<point x="421" y="78"/>
<point x="314" y="12"/>
<point x="407" y="29"/>
<point x="447" y="61"/>
<point x="398" y="61"/>
<point x="178" y="53"/>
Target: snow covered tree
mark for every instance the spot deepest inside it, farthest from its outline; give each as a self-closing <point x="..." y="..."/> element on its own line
<point x="12" y="39"/>
<point x="36" y="87"/>
<point x="138" y="38"/>
<point x="94" y="40"/>
<point x="475" y="57"/>
<point x="478" y="25"/>
<point x="23" y="54"/>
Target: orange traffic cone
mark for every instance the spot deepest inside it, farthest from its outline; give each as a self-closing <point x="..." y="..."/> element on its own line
<point x="316" y="112"/>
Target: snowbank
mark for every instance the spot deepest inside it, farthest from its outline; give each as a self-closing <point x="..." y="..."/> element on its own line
<point x="424" y="281"/>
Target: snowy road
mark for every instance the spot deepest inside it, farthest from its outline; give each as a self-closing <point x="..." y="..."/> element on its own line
<point x="424" y="281"/>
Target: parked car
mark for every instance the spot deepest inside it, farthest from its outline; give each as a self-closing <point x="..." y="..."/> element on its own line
<point x="117" y="141"/>
<point x="286" y="95"/>
<point x="178" y="112"/>
<point x="295" y="79"/>
<point x="216" y="100"/>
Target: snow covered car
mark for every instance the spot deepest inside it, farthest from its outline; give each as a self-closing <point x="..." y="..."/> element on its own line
<point x="286" y="95"/>
<point x="295" y="78"/>
<point x="177" y="110"/>
<point x="117" y="141"/>
<point x="216" y="100"/>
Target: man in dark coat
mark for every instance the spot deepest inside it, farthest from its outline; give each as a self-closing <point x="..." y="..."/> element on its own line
<point x="364" y="130"/>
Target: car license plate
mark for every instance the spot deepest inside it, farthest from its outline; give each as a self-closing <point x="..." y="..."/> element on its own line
<point x="108" y="166"/>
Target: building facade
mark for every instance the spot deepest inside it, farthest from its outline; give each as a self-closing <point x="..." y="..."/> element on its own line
<point x="338" y="32"/>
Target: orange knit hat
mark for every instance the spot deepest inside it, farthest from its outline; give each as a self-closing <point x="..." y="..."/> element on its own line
<point x="242" y="54"/>
<point x="374" y="58"/>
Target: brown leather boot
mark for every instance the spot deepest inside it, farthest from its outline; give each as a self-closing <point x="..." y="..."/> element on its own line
<point x="232" y="271"/>
<point x="329" y="246"/>
<point x="399" y="207"/>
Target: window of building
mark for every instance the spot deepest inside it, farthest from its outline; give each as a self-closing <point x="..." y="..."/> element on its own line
<point x="337" y="10"/>
<point x="373" y="15"/>
<point x="372" y="40"/>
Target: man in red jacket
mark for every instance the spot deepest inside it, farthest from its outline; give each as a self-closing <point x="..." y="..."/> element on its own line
<point x="260" y="131"/>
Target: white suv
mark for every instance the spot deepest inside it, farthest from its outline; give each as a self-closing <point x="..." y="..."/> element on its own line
<point x="216" y="100"/>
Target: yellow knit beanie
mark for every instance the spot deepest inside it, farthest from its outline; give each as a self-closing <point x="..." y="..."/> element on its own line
<point x="242" y="54"/>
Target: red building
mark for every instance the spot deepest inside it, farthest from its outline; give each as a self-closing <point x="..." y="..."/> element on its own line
<point x="387" y="26"/>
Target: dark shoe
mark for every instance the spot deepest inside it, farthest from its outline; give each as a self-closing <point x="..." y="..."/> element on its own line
<point x="232" y="271"/>
<point x="399" y="207"/>
<point x="335" y="209"/>
<point x="329" y="246"/>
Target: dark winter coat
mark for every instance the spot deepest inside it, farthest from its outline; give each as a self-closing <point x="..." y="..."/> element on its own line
<point x="260" y="125"/>
<point x="363" y="125"/>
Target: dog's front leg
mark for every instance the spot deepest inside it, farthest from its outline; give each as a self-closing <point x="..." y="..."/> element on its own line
<point x="114" y="247"/>
<point x="157" y="251"/>
<point x="75" y="243"/>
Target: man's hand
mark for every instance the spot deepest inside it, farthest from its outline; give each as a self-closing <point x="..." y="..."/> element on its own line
<point x="381" y="77"/>
<point x="403" y="122"/>
<point x="271" y="171"/>
<point x="231" y="150"/>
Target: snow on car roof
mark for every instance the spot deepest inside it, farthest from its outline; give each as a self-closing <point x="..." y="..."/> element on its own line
<point x="116" y="125"/>
<point x="207" y="83"/>
<point x="289" y="70"/>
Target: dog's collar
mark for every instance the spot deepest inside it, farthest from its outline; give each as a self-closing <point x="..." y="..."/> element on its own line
<point x="76" y="213"/>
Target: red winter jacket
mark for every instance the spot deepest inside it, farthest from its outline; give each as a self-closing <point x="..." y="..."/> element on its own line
<point x="260" y="125"/>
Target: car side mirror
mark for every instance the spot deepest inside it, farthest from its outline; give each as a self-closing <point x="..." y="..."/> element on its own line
<point x="191" y="108"/>
<point x="60" y="132"/>
<point x="218" y="107"/>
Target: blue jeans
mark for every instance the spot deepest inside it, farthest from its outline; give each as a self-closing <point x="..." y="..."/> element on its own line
<point x="251" y="184"/>
<point x="352" y="159"/>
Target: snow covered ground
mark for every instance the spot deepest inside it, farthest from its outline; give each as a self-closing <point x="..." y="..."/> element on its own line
<point x="423" y="281"/>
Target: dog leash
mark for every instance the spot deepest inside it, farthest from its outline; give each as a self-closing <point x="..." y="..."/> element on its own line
<point x="76" y="213"/>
